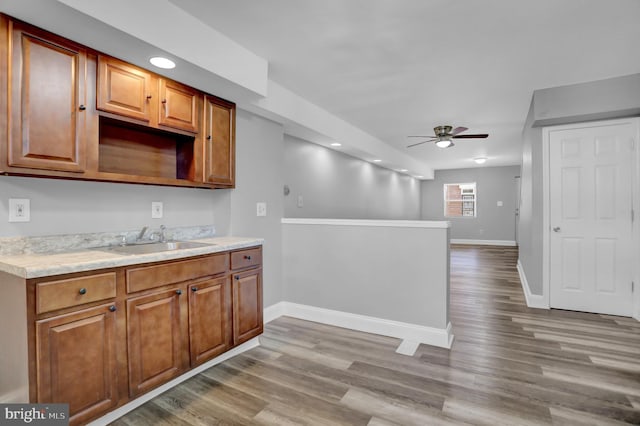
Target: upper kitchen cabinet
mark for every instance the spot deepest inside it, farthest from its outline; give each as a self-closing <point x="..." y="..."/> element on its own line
<point x="67" y="111"/>
<point x="124" y="89"/>
<point x="219" y="145"/>
<point x="45" y="112"/>
<point x="178" y="106"/>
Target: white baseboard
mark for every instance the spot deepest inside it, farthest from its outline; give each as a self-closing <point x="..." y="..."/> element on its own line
<point x="441" y="337"/>
<point x="533" y="300"/>
<point x="274" y="311"/>
<point x="484" y="242"/>
<point x="119" y="412"/>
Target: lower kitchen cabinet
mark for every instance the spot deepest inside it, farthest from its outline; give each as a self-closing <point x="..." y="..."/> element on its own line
<point x="209" y="319"/>
<point x="155" y="339"/>
<point x="76" y="361"/>
<point x="99" y="339"/>
<point x="247" y="305"/>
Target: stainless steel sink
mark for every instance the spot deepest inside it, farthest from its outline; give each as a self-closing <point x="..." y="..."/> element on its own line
<point x="145" y="248"/>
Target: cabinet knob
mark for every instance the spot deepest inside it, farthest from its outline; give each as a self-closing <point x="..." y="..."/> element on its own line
<point x="247" y="257"/>
<point x="194" y="289"/>
<point x="237" y="277"/>
<point x="82" y="107"/>
<point x="112" y="308"/>
<point x="82" y="290"/>
<point x="209" y="137"/>
<point x="149" y="96"/>
<point x="164" y="101"/>
<point x="178" y="292"/>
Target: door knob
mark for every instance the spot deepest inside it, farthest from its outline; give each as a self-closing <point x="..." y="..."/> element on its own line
<point x="556" y="229"/>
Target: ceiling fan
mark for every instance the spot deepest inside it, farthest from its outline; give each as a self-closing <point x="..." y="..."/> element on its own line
<point x="444" y="134"/>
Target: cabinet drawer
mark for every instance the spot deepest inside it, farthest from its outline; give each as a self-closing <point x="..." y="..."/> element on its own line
<point x="147" y="277"/>
<point x="246" y="258"/>
<point x="60" y="294"/>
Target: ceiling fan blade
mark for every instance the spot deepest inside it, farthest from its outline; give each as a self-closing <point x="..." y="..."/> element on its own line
<point x="421" y="136"/>
<point x="458" y="130"/>
<point x="478" y="136"/>
<point x="420" y="143"/>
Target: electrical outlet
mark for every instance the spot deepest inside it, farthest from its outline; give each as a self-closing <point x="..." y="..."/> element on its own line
<point x="156" y="210"/>
<point x="300" y="201"/>
<point x="19" y="210"/>
<point x="499" y="203"/>
<point x="261" y="209"/>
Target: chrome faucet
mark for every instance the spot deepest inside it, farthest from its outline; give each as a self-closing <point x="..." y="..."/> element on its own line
<point x="163" y="237"/>
<point x="141" y="234"/>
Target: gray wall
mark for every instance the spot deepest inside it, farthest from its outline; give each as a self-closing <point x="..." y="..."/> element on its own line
<point x="597" y="100"/>
<point x="66" y="207"/>
<point x="493" y="184"/>
<point x="530" y="223"/>
<point x="335" y="185"/>
<point x="373" y="271"/>
<point x="259" y="170"/>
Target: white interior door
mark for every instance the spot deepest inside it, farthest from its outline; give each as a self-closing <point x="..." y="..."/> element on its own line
<point x="590" y="244"/>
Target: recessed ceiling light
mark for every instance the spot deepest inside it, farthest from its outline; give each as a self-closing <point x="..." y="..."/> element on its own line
<point x="163" y="63"/>
<point x="336" y="144"/>
<point x="403" y="170"/>
<point x="377" y="161"/>
<point x="480" y="160"/>
<point x="419" y="177"/>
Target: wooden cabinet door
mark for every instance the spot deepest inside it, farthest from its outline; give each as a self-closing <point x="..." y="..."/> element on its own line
<point x="47" y="92"/>
<point x="219" y="143"/>
<point x="76" y="361"/>
<point x="247" y="305"/>
<point x="209" y="319"/>
<point x="124" y="89"/>
<point x="178" y="106"/>
<point x="155" y="339"/>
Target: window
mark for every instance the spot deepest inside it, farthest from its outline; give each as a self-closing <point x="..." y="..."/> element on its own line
<point x="460" y="199"/>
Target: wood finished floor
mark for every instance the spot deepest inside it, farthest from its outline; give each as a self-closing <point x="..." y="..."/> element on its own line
<point x="509" y="365"/>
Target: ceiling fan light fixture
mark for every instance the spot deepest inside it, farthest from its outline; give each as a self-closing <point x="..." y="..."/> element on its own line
<point x="444" y="143"/>
<point x="480" y="160"/>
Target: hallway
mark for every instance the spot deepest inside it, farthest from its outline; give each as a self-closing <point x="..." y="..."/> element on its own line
<point x="509" y="365"/>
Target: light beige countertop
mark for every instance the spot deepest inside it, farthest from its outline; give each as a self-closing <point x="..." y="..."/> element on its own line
<point x="37" y="265"/>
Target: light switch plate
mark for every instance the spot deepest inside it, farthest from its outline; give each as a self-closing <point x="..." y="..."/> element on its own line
<point x="300" y="201"/>
<point x="19" y="210"/>
<point x="156" y="210"/>
<point x="261" y="209"/>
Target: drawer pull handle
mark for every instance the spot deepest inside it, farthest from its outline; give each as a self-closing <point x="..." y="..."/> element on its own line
<point x="112" y="308"/>
<point x="82" y="107"/>
<point x="164" y="101"/>
<point x="194" y="289"/>
<point x="149" y="96"/>
<point x="247" y="257"/>
<point x="178" y="292"/>
<point x="82" y="291"/>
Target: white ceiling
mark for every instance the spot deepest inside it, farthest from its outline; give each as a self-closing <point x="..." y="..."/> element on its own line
<point x="400" y="67"/>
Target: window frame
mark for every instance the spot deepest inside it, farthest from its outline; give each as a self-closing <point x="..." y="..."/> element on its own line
<point x="462" y="200"/>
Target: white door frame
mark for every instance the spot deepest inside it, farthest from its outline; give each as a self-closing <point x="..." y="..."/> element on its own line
<point x="546" y="190"/>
